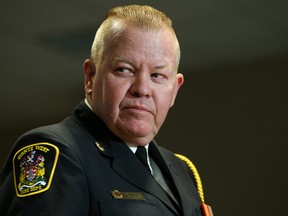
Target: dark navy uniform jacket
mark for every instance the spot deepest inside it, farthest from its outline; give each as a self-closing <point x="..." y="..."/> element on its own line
<point x="79" y="168"/>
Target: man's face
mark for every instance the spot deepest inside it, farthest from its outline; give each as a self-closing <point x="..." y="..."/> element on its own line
<point x="136" y="84"/>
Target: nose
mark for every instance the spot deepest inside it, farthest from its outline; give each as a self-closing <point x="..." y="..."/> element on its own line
<point x="141" y="86"/>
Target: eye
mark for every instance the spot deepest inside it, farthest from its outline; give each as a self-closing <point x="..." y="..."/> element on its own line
<point x="122" y="71"/>
<point x="158" y="77"/>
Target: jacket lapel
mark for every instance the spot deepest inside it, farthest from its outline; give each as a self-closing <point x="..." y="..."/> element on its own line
<point x="127" y="165"/>
<point x="189" y="201"/>
<point x="164" y="165"/>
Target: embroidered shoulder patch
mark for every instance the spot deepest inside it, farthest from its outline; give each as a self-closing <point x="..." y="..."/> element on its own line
<point x="34" y="167"/>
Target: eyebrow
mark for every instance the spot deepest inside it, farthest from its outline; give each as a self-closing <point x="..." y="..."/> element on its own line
<point x="161" y="67"/>
<point x="124" y="60"/>
<point x="120" y="59"/>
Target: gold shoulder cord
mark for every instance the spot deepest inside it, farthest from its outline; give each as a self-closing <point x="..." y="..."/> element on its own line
<point x="196" y="175"/>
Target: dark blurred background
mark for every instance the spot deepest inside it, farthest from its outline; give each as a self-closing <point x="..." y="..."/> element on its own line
<point x="230" y="117"/>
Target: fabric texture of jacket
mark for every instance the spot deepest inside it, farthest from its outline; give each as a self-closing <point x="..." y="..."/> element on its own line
<point x="79" y="167"/>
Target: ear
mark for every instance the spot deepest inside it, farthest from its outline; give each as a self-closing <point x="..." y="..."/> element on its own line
<point x="89" y="72"/>
<point x="179" y="82"/>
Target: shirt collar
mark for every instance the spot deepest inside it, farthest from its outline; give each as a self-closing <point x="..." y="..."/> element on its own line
<point x="134" y="147"/>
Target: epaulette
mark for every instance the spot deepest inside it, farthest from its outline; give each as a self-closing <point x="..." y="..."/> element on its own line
<point x="206" y="209"/>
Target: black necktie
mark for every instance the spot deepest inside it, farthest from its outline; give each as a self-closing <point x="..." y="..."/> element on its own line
<point x="141" y="153"/>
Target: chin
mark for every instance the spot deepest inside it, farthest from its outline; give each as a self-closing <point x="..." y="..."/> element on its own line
<point x="140" y="137"/>
<point x="139" y="130"/>
<point x="139" y="141"/>
<point x="136" y="132"/>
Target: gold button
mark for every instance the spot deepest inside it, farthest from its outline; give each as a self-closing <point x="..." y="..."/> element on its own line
<point x="117" y="194"/>
<point x="100" y="147"/>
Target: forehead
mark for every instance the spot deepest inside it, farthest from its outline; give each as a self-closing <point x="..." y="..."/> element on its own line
<point x="146" y="45"/>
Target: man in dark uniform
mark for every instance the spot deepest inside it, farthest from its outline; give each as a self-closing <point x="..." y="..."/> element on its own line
<point x="103" y="159"/>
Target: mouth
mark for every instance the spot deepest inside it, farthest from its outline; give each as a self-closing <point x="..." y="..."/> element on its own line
<point x="137" y="109"/>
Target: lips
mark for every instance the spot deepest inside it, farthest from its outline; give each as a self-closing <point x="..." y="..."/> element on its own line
<point x="137" y="109"/>
<point x="137" y="106"/>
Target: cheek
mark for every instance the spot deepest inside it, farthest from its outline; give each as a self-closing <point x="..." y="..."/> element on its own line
<point x="163" y="108"/>
<point x="163" y="103"/>
<point x="165" y="98"/>
<point x="114" y="93"/>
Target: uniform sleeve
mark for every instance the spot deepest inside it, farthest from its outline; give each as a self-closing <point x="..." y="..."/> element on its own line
<point x="43" y="176"/>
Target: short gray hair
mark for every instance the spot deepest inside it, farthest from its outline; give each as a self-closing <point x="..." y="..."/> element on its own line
<point x="142" y="16"/>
